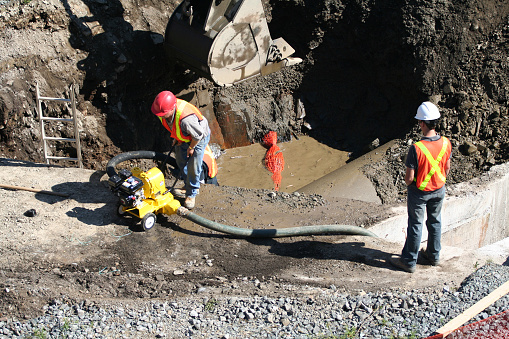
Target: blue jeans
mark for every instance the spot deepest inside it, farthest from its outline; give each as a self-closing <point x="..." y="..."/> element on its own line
<point x="418" y="203"/>
<point x="190" y="168"/>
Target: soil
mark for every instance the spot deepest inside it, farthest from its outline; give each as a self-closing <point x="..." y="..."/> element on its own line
<point x="77" y="248"/>
<point x="366" y="68"/>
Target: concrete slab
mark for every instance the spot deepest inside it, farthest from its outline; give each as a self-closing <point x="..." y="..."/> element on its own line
<point x="497" y="252"/>
<point x="349" y="181"/>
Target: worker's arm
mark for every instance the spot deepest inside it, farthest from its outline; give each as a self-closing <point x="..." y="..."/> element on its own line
<point x="447" y="166"/>
<point x="191" y="126"/>
<point x="409" y="176"/>
<point x="411" y="165"/>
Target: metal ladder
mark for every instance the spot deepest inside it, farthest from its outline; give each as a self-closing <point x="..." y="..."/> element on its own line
<point x="45" y="138"/>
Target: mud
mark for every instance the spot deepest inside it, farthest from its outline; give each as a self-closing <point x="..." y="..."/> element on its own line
<point x="305" y="161"/>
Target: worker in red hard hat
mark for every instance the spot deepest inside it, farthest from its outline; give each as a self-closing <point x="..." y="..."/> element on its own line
<point x="191" y="133"/>
<point x="427" y="165"/>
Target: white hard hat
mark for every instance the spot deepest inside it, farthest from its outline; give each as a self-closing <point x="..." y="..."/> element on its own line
<point x="427" y="111"/>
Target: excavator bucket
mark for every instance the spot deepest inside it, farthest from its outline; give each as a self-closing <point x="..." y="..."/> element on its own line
<point x="227" y="41"/>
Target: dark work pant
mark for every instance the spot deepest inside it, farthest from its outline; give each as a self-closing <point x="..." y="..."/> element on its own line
<point x="419" y="205"/>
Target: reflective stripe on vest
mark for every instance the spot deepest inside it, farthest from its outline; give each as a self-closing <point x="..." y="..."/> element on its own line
<point x="434" y="163"/>
<point x="180" y="114"/>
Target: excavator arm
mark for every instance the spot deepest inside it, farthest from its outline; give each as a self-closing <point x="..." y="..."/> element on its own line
<point x="227" y="41"/>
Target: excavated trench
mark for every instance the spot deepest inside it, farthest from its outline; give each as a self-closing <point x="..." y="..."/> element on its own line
<point x="367" y="65"/>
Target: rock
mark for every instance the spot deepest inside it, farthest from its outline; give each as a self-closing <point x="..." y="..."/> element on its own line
<point x="30" y="213"/>
<point x="122" y="59"/>
<point x="448" y="89"/>
<point x="467" y="148"/>
<point x="157" y="39"/>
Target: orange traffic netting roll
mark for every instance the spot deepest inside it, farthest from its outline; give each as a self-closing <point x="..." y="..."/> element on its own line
<point x="494" y="327"/>
<point x="274" y="160"/>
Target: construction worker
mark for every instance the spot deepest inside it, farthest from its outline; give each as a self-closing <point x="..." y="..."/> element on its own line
<point x="427" y="166"/>
<point x="191" y="133"/>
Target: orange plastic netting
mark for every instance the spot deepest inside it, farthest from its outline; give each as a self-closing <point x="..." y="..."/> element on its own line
<point x="494" y="327"/>
<point x="274" y="160"/>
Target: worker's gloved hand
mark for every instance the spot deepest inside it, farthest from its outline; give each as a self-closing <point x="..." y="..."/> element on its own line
<point x="190" y="152"/>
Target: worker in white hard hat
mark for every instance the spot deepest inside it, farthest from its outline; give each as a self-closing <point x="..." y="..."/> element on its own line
<point x="427" y="165"/>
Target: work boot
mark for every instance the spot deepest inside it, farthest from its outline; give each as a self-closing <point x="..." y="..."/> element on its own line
<point x="424" y="255"/>
<point x="189" y="203"/>
<point x="397" y="262"/>
<point x="179" y="192"/>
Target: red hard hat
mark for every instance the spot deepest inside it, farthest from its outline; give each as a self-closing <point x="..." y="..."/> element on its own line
<point x="164" y="103"/>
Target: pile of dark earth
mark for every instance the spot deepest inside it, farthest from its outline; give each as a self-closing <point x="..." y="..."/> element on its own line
<point x="328" y="314"/>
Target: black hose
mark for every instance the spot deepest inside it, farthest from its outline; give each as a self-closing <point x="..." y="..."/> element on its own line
<point x="276" y="232"/>
<point x="110" y="167"/>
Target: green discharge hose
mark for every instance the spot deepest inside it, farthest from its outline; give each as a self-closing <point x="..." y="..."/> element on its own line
<point x="276" y="232"/>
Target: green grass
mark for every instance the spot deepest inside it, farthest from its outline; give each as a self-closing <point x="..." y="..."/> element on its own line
<point x="412" y="335"/>
<point x="350" y="332"/>
<point x="211" y="305"/>
<point x="39" y="333"/>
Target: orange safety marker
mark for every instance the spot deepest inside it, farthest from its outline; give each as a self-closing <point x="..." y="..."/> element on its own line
<point x="500" y="321"/>
<point x="274" y="160"/>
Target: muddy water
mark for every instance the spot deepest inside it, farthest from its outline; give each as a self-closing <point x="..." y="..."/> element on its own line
<point x="305" y="161"/>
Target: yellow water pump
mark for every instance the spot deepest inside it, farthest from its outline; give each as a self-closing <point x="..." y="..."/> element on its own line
<point x="143" y="195"/>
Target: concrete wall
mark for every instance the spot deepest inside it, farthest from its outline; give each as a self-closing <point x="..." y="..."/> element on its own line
<point x="475" y="213"/>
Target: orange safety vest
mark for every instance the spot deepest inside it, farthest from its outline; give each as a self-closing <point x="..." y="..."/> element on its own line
<point x="431" y="158"/>
<point x="208" y="158"/>
<point x="185" y="109"/>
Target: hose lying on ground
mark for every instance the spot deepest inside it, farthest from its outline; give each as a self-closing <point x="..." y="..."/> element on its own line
<point x="238" y="231"/>
<point x="275" y="232"/>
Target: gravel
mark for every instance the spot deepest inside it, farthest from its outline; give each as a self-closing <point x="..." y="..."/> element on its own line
<point x="328" y="314"/>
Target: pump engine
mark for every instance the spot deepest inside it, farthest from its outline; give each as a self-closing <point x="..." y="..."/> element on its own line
<point x="143" y="194"/>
